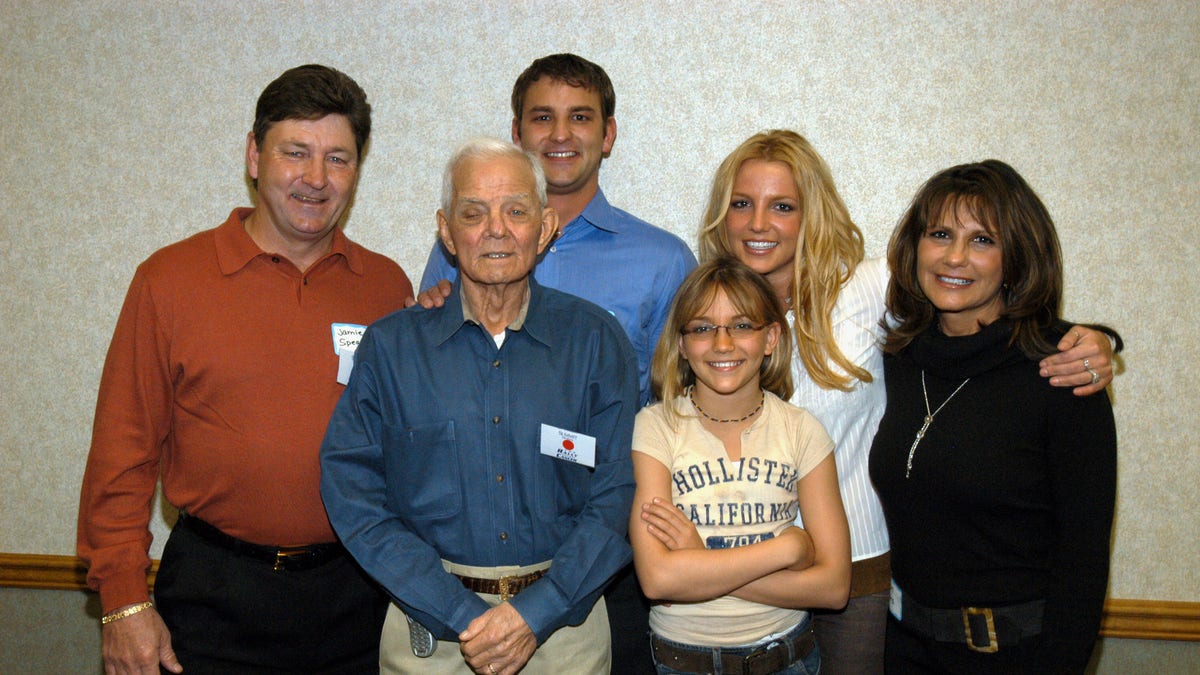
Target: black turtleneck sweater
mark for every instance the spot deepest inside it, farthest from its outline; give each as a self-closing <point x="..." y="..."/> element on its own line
<point x="1011" y="492"/>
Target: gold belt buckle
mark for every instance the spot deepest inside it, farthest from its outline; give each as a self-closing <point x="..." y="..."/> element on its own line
<point x="506" y="590"/>
<point x="282" y="556"/>
<point x="986" y="612"/>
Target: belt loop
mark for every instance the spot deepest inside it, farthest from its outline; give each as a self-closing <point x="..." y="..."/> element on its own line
<point x="992" y="645"/>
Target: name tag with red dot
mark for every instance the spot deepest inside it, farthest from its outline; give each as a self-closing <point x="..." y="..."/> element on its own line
<point x="569" y="446"/>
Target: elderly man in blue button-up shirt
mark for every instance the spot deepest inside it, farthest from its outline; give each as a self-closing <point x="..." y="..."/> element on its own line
<point x="478" y="463"/>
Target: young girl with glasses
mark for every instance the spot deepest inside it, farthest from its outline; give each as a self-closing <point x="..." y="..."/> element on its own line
<point x="723" y="466"/>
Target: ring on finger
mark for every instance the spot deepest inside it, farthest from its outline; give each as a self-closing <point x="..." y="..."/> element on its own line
<point x="1095" y="375"/>
<point x="1086" y="365"/>
<point x="492" y="668"/>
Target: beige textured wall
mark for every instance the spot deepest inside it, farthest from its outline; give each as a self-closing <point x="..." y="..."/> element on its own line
<point x="123" y="123"/>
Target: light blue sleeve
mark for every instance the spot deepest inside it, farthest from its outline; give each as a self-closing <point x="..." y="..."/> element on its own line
<point x="439" y="266"/>
<point x="682" y="264"/>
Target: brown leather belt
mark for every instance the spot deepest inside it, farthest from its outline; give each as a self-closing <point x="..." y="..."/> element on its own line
<point x="870" y="576"/>
<point x="505" y="587"/>
<point x="770" y="658"/>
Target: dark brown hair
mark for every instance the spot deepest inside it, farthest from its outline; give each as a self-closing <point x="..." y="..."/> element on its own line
<point x="1002" y="202"/>
<point x="311" y="92"/>
<point x="571" y="69"/>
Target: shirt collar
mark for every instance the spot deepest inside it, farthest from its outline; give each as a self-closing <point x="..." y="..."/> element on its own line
<point x="235" y="248"/>
<point x="515" y="324"/>
<point x="599" y="214"/>
<point x="454" y="314"/>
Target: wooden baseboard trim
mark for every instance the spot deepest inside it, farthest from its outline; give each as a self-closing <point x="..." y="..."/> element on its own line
<point x="1129" y="619"/>
<point x="1151" y="620"/>
<point x="49" y="572"/>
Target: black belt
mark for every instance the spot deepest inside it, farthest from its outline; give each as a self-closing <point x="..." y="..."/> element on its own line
<point x="293" y="558"/>
<point x="982" y="629"/>
<point x="770" y="658"/>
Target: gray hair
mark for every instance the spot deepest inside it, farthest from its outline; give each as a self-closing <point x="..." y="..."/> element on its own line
<point x="486" y="148"/>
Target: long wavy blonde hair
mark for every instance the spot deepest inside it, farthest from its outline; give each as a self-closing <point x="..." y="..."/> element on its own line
<point x="829" y="250"/>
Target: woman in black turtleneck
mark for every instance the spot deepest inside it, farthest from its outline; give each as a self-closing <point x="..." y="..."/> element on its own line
<point x="998" y="489"/>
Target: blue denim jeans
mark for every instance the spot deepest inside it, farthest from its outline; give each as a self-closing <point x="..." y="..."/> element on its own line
<point x="810" y="665"/>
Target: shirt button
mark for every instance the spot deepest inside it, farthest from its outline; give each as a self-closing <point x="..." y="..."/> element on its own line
<point x="496" y="419"/>
<point x="503" y="536"/>
<point x="499" y="478"/>
<point x="496" y="363"/>
<point x="554" y="249"/>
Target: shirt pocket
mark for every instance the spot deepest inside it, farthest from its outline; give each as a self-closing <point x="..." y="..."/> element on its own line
<point x="422" y="471"/>
<point x="563" y="489"/>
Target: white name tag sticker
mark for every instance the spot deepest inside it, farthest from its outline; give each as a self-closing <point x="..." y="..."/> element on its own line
<point x="345" y="366"/>
<point x="894" y="603"/>
<point x="347" y="336"/>
<point x="569" y="446"/>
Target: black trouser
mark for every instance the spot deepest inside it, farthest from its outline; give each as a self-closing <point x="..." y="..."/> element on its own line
<point x="629" y="623"/>
<point x="232" y="613"/>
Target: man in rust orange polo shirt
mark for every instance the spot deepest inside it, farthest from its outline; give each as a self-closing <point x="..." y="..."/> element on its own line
<point x="221" y="376"/>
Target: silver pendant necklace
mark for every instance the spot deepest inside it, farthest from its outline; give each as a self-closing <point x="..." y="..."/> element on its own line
<point x="928" y="419"/>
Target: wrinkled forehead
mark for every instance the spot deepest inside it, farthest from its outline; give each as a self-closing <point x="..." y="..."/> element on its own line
<point x="495" y="178"/>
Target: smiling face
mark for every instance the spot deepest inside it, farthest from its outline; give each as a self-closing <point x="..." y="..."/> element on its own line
<point x="725" y="365"/>
<point x="566" y="128"/>
<point x="306" y="172"/>
<point x="495" y="226"/>
<point x="960" y="270"/>
<point x="763" y="222"/>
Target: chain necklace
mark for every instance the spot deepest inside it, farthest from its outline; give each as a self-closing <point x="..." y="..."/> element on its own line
<point x="928" y="419"/>
<point x="752" y="413"/>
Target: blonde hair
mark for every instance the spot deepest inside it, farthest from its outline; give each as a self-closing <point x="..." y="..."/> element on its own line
<point x="749" y="292"/>
<point x="829" y="250"/>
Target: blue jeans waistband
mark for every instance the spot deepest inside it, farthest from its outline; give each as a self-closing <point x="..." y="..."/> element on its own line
<point x="797" y="645"/>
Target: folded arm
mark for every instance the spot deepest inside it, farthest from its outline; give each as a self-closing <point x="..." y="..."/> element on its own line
<point x="692" y="574"/>
<point x="826" y="583"/>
